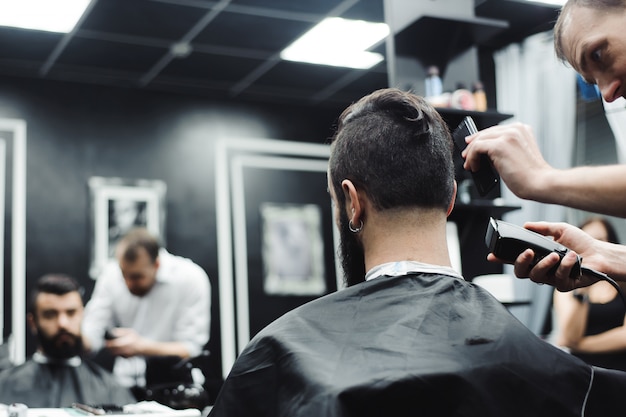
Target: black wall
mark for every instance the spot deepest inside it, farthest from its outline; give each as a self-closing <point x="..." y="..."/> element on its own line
<point x="77" y="131"/>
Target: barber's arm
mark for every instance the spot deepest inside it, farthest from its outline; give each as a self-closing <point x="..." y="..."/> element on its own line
<point x="127" y="343"/>
<point x="516" y="156"/>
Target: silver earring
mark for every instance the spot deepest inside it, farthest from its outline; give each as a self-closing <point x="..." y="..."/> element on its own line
<point x="355" y="229"/>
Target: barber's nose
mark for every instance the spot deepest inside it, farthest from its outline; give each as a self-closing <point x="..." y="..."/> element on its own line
<point x="610" y="90"/>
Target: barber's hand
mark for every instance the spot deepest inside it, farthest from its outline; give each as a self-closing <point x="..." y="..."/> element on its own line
<point x="126" y="343"/>
<point x="514" y="152"/>
<point x="567" y="235"/>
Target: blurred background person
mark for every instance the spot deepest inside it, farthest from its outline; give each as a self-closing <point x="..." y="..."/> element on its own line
<point x="591" y="320"/>
<point x="57" y="375"/>
<point x="147" y="305"/>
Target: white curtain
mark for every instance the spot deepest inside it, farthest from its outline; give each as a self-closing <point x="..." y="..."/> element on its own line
<point x="616" y="116"/>
<point x="539" y="90"/>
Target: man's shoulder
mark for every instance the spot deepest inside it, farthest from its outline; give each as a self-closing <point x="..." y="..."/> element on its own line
<point x="26" y="369"/>
<point x="180" y="267"/>
<point x="110" y="271"/>
<point x="18" y="381"/>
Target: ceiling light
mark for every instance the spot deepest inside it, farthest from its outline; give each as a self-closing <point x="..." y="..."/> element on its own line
<point x="552" y="2"/>
<point x="47" y="15"/>
<point x="338" y="42"/>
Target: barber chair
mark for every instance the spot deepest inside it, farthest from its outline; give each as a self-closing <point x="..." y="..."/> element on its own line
<point x="175" y="382"/>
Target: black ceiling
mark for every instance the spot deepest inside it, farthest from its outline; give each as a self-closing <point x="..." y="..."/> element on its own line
<point x="235" y="47"/>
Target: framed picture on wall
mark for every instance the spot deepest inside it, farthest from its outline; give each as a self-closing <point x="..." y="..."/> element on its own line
<point x="292" y="249"/>
<point x="119" y="205"/>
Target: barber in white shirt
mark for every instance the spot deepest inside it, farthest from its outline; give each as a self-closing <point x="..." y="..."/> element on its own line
<point x="150" y="303"/>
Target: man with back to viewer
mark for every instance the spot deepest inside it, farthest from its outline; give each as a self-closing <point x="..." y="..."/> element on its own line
<point x="409" y="336"/>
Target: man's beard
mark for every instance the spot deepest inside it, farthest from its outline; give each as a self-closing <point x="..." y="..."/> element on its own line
<point x="58" y="346"/>
<point x="351" y="253"/>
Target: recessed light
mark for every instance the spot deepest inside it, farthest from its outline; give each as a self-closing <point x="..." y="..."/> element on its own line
<point x="47" y="15"/>
<point x="552" y="2"/>
<point x="339" y="42"/>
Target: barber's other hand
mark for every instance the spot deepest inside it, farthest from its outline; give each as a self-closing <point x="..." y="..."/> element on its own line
<point x="514" y="152"/>
<point x="573" y="238"/>
<point x="126" y="342"/>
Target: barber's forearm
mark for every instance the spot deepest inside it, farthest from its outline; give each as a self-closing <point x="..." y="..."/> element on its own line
<point x="599" y="189"/>
<point x="153" y="348"/>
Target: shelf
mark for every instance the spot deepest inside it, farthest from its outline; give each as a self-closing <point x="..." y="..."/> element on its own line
<point x="526" y="18"/>
<point x="483" y="119"/>
<point x="437" y="41"/>
<point x="472" y="221"/>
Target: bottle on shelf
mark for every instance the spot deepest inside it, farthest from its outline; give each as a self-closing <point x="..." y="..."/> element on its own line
<point x="479" y="96"/>
<point x="433" y="84"/>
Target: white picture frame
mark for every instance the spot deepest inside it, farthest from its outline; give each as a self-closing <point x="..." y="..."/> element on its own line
<point x="118" y="205"/>
<point x="293" y="249"/>
<point x="14" y="131"/>
<point x="233" y="156"/>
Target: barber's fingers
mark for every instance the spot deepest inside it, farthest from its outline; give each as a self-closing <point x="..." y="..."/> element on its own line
<point x="495" y="140"/>
<point x="512" y="131"/>
<point x="544" y="271"/>
<point x="523" y="264"/>
<point x="547" y="229"/>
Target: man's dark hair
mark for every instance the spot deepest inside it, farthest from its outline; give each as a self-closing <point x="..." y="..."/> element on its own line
<point x="59" y="284"/>
<point x="397" y="148"/>
<point x="561" y="22"/>
<point x="139" y="238"/>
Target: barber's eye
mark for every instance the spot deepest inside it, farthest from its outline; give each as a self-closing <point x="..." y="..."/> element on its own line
<point x="596" y="55"/>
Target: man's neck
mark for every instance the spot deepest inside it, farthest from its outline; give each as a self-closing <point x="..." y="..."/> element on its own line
<point x="407" y="235"/>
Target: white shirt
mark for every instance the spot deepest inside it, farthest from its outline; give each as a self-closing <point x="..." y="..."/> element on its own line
<point x="176" y="309"/>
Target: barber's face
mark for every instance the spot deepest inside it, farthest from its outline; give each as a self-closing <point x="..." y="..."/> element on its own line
<point x="350" y="249"/>
<point x="595" y="45"/>
<point x="140" y="275"/>
<point x="56" y="321"/>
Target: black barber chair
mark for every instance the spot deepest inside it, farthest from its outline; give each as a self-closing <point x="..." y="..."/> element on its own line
<point x="170" y="381"/>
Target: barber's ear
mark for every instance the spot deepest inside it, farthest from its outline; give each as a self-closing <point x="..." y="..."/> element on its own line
<point x="452" y="200"/>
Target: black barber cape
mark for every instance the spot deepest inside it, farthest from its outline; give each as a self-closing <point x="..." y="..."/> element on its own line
<point x="416" y="345"/>
<point x="39" y="384"/>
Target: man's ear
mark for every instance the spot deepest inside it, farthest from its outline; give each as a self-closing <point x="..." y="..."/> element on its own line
<point x="452" y="200"/>
<point x="354" y="206"/>
<point x="31" y="323"/>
